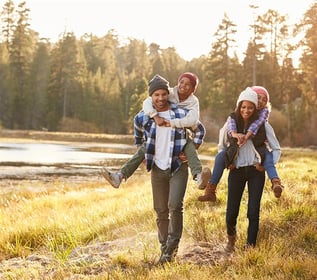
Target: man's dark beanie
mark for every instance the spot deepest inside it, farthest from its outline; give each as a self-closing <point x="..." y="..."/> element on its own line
<point x="158" y="82"/>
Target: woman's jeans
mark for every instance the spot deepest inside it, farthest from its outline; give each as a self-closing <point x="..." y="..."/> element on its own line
<point x="219" y="167"/>
<point x="237" y="180"/>
<point x="168" y="196"/>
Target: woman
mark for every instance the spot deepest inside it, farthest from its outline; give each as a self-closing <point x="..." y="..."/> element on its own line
<point x="244" y="170"/>
<point x="272" y="154"/>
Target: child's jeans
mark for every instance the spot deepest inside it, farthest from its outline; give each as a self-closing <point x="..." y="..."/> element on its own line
<point x="269" y="165"/>
<point x="190" y="151"/>
<point x="192" y="157"/>
<point x="219" y="167"/>
<point x="133" y="163"/>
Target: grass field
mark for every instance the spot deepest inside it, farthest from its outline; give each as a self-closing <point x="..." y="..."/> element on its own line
<point x="88" y="230"/>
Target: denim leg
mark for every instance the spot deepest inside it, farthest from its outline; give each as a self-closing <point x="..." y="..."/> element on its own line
<point x="269" y="165"/>
<point x="160" y="191"/>
<point x="178" y="184"/>
<point x="219" y="167"/>
<point x="256" y="181"/>
<point x="236" y="185"/>
<point x="133" y="163"/>
<point x="192" y="157"/>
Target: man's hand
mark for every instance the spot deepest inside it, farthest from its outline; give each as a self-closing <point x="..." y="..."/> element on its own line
<point x="197" y="146"/>
<point x="158" y="120"/>
<point x="167" y="123"/>
<point x="183" y="157"/>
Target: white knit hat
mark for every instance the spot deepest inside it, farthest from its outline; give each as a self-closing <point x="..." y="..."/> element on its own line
<point x="248" y="95"/>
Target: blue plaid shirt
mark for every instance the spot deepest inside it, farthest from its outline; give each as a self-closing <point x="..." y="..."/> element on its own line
<point x="145" y="131"/>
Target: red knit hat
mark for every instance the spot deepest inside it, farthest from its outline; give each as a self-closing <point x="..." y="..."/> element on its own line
<point x="192" y="77"/>
<point x="259" y="89"/>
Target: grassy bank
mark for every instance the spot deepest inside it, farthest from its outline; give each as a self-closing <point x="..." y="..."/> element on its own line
<point x="92" y="231"/>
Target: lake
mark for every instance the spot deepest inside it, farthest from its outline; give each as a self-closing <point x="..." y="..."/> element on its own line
<point x="23" y="160"/>
<point x="32" y="160"/>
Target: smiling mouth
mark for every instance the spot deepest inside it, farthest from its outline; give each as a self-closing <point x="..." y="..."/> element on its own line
<point x="246" y="114"/>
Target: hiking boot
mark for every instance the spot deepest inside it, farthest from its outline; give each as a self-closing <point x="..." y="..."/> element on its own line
<point x="277" y="187"/>
<point x="167" y="256"/>
<point x="114" y="178"/>
<point x="231" y="243"/>
<point x="210" y="193"/>
<point x="203" y="178"/>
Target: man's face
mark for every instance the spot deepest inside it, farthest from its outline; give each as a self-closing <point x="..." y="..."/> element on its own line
<point x="160" y="100"/>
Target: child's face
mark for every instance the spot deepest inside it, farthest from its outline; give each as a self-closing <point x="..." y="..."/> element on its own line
<point x="185" y="88"/>
<point x="262" y="100"/>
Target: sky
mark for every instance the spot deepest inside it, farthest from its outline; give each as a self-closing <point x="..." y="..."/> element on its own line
<point x="187" y="25"/>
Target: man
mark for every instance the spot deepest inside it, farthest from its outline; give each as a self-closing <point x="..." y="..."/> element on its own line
<point x="183" y="96"/>
<point x="169" y="174"/>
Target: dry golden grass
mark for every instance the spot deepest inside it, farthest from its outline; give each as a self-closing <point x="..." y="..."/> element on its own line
<point x="59" y="218"/>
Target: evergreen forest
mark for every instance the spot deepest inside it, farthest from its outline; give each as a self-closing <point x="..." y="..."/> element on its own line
<point x="97" y="84"/>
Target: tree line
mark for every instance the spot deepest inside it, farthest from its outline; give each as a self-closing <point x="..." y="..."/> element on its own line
<point x="97" y="84"/>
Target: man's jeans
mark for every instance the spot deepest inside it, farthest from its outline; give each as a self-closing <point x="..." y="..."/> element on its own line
<point x="168" y="197"/>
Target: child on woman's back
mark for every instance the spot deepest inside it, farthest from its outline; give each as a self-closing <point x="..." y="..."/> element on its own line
<point x="223" y="158"/>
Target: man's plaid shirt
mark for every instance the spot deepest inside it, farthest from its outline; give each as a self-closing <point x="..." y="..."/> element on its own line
<point x="145" y="131"/>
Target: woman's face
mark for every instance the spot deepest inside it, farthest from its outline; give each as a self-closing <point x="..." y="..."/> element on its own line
<point x="247" y="109"/>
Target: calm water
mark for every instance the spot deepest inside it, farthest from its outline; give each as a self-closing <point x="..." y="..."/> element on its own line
<point x="31" y="160"/>
<point x="77" y="153"/>
<point x="45" y="153"/>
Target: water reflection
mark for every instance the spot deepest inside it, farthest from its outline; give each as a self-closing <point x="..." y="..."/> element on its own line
<point x="46" y="153"/>
<point x="36" y="160"/>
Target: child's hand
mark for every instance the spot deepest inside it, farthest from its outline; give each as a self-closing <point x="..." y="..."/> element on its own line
<point x="242" y="140"/>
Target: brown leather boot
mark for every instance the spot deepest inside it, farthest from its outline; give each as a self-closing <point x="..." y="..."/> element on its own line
<point x="231" y="243"/>
<point x="277" y="187"/>
<point x="210" y="193"/>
